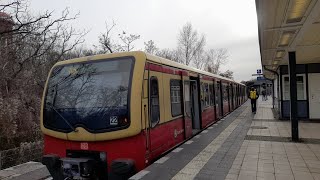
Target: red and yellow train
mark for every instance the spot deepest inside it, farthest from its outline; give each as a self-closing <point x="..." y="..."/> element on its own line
<point x="111" y="115"/>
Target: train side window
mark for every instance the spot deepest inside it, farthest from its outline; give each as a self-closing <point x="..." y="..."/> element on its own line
<point x="211" y="91"/>
<point x="154" y="101"/>
<point x="225" y="90"/>
<point x="175" y="96"/>
<point x="218" y="93"/>
<point x="206" y="94"/>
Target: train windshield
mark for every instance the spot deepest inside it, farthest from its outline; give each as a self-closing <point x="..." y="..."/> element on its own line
<point x="92" y="95"/>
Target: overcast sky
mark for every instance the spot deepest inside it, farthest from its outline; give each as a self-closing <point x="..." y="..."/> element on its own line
<point x="230" y="24"/>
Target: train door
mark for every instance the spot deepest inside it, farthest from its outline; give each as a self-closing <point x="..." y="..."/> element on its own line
<point x="228" y="96"/>
<point x="187" y="107"/>
<point x="238" y="96"/>
<point x="218" y="99"/>
<point x="314" y="94"/>
<point x="156" y="136"/>
<point x="231" y="98"/>
<point x="195" y="109"/>
<point x="221" y="99"/>
<point x="234" y="96"/>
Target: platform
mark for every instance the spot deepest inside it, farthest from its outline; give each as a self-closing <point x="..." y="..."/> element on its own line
<point x="26" y="171"/>
<point x="243" y="146"/>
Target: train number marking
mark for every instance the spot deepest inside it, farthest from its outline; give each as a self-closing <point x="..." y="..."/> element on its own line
<point x="84" y="146"/>
<point x="114" y="120"/>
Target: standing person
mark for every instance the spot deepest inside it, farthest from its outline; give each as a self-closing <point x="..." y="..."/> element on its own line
<point x="253" y="95"/>
<point x="264" y="98"/>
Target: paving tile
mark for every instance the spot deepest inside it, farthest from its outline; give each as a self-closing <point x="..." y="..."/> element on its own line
<point x="281" y="162"/>
<point x="268" y="168"/>
<point x="181" y="176"/>
<point x="204" y="177"/>
<point x="247" y="175"/>
<point x="302" y="176"/>
<point x="316" y="176"/>
<point x="265" y="161"/>
<point x="239" y="162"/>
<point x="284" y="177"/>
<point x="281" y="169"/>
<point x="298" y="168"/>
<point x="298" y="164"/>
<point x="234" y="171"/>
<point x="232" y="176"/>
<point x="266" y="176"/>
<point x="313" y="161"/>
<point x="314" y="169"/>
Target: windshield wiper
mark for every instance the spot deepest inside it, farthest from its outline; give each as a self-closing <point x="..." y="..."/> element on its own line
<point x="65" y="120"/>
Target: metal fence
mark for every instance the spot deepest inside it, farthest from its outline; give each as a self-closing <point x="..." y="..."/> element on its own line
<point x="28" y="151"/>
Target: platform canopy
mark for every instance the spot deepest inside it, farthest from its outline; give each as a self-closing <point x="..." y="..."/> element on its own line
<point x="288" y="25"/>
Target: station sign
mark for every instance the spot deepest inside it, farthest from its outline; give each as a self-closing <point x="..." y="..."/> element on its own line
<point x="261" y="78"/>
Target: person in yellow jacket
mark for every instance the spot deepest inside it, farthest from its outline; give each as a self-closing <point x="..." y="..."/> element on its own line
<point x="253" y="95"/>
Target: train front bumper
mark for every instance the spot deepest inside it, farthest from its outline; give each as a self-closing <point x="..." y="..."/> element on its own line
<point x="88" y="168"/>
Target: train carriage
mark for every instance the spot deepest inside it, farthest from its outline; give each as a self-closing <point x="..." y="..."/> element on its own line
<point x="112" y="115"/>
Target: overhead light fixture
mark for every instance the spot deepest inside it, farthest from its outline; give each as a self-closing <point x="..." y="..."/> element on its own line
<point x="280" y="53"/>
<point x="297" y="10"/>
<point x="275" y="62"/>
<point x="286" y="37"/>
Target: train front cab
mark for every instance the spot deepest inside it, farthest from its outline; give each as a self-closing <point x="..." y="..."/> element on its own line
<point x="99" y="132"/>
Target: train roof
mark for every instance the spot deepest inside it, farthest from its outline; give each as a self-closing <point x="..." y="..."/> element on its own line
<point x="150" y="57"/>
<point x="168" y="62"/>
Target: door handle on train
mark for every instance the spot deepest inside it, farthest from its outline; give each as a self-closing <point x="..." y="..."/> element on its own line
<point x="147" y="129"/>
<point x="145" y="115"/>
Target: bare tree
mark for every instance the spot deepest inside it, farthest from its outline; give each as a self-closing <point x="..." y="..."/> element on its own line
<point x="150" y="47"/>
<point x="170" y="54"/>
<point x="105" y="39"/>
<point x="29" y="46"/>
<point x="110" y="44"/>
<point x="33" y="37"/>
<point x="190" y="43"/>
<point x="200" y="60"/>
<point x="215" y="59"/>
<point x="227" y="74"/>
<point x="127" y="40"/>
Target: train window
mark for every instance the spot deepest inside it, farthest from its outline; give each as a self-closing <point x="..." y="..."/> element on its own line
<point x="154" y="101"/>
<point x="218" y="95"/>
<point x="225" y="92"/>
<point x="206" y="94"/>
<point x="175" y="96"/>
<point x="202" y="96"/>
<point x="94" y="95"/>
<point x="211" y="90"/>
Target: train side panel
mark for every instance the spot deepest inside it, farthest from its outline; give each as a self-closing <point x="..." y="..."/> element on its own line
<point x="169" y="131"/>
<point x="207" y="101"/>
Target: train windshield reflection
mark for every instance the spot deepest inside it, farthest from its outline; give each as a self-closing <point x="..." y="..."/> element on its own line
<point x="91" y="95"/>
